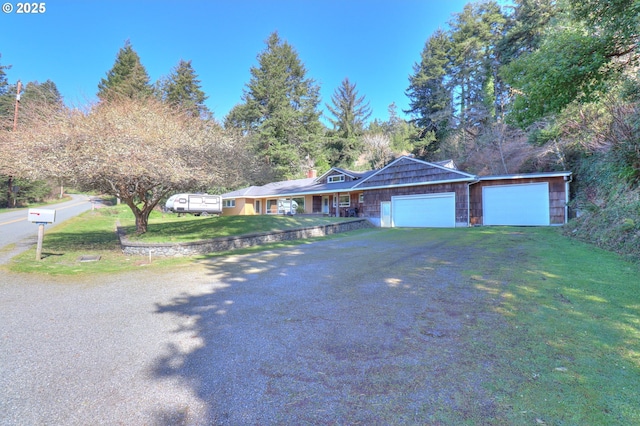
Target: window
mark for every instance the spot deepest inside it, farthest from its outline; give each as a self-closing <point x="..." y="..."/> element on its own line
<point x="345" y="200"/>
<point x="229" y="203"/>
<point x="272" y="206"/>
<point x="335" y="178"/>
<point x="361" y="198"/>
<point x="299" y="204"/>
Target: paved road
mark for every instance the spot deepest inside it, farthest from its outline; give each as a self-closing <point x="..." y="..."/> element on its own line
<point x="371" y="328"/>
<point x="19" y="234"/>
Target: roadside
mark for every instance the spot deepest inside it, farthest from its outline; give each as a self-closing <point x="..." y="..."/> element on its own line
<point x="17" y="235"/>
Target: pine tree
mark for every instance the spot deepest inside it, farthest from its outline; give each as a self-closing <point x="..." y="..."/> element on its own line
<point x="279" y="111"/>
<point x="182" y="89"/>
<point x="6" y="99"/>
<point x="350" y="112"/>
<point x="127" y="78"/>
<point x="430" y="98"/>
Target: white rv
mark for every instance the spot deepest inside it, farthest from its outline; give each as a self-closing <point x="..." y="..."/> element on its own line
<point x="197" y="204"/>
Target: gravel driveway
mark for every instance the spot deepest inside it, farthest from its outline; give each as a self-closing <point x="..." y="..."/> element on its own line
<point x="369" y="328"/>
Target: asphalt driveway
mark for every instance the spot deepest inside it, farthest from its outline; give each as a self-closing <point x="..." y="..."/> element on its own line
<point x="369" y="328"/>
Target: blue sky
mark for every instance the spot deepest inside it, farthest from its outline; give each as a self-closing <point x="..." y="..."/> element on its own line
<point x="372" y="42"/>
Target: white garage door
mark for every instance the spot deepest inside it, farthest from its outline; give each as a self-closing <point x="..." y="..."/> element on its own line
<point x="427" y="210"/>
<point x="523" y="204"/>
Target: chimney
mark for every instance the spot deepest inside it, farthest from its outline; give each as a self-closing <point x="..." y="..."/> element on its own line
<point x="312" y="173"/>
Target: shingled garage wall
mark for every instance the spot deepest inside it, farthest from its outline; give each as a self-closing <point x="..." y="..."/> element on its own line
<point x="410" y="177"/>
<point x="373" y="198"/>
<point x="557" y="198"/>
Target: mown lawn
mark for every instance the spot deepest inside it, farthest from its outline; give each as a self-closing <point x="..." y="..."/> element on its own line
<point x="93" y="234"/>
<point x="572" y="351"/>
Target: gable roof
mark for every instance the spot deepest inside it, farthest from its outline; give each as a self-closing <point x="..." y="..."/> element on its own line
<point x="404" y="171"/>
<point x="337" y="170"/>
<point x="409" y="171"/>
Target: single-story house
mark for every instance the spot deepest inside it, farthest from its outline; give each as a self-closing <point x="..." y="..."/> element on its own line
<point x="413" y="193"/>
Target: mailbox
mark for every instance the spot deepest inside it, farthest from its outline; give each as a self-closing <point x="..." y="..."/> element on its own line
<point x="41" y="215"/>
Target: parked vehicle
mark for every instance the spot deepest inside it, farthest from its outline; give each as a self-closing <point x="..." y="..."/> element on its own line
<point x="197" y="204"/>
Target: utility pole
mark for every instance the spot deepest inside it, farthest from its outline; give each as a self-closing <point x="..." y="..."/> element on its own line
<point x="15" y="114"/>
<point x="15" y="127"/>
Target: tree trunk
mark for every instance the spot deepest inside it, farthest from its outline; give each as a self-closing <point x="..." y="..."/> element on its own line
<point x="142" y="221"/>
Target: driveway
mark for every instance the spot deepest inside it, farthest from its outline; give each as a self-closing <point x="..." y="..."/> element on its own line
<point x="374" y="327"/>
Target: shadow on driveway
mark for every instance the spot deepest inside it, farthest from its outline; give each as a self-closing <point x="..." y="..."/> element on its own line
<point x="378" y="327"/>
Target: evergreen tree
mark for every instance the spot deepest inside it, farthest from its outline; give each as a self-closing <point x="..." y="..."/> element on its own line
<point x="127" y="78"/>
<point x="349" y="110"/>
<point x="350" y="113"/>
<point x="182" y="89"/>
<point x="479" y="92"/>
<point x="45" y="93"/>
<point x="6" y="98"/>
<point x="430" y="99"/>
<point x="279" y="111"/>
<point x="525" y="27"/>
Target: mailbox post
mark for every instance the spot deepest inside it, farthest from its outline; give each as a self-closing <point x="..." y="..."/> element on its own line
<point x="41" y="217"/>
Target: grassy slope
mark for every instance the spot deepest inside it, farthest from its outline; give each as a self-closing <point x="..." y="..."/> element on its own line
<point x="572" y="352"/>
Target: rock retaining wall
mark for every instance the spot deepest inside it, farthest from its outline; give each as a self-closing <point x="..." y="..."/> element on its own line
<point x="230" y="243"/>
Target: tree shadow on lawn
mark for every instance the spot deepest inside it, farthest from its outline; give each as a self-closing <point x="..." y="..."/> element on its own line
<point x="78" y="241"/>
<point x="378" y="328"/>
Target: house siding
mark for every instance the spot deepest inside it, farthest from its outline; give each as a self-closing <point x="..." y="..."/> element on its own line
<point x="244" y="206"/>
<point x="373" y="198"/>
<point x="557" y="197"/>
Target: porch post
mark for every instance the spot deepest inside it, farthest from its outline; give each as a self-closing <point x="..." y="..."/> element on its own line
<point x="336" y="200"/>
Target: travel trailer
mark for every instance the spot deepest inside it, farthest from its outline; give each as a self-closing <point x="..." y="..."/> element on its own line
<point x="197" y="204"/>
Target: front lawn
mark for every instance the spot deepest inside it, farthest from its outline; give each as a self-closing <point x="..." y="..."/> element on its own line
<point x="93" y="234"/>
<point x="169" y="227"/>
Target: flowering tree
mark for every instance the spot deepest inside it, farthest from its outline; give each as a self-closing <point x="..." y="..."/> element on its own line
<point x="137" y="150"/>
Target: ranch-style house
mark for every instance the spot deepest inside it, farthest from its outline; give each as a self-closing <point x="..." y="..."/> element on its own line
<point x="413" y="193"/>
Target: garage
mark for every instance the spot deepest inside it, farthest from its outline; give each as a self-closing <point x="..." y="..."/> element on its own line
<point x="424" y="210"/>
<point x="518" y="205"/>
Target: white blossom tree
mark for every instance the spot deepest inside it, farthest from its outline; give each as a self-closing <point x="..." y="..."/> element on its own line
<point x="136" y="150"/>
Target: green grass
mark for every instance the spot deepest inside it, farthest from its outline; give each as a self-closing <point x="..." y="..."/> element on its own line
<point x="93" y="234"/>
<point x="572" y="347"/>
<point x="165" y="227"/>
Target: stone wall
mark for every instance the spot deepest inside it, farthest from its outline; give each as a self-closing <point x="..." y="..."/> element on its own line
<point x="236" y="242"/>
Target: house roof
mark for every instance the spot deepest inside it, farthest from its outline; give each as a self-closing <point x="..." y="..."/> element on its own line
<point x="409" y="171"/>
<point x="404" y="171"/>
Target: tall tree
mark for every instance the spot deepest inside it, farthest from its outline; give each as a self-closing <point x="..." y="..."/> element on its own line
<point x="127" y="78"/>
<point x="350" y="112"/>
<point x="477" y="88"/>
<point x="181" y="89"/>
<point x="140" y="150"/>
<point x="279" y="111"/>
<point x="430" y="99"/>
<point x="588" y="50"/>
<point x="525" y="28"/>
<point x="6" y="98"/>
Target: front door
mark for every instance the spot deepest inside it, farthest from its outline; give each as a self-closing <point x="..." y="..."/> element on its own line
<point x="385" y="214"/>
<point x="325" y="204"/>
<point x="257" y="206"/>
